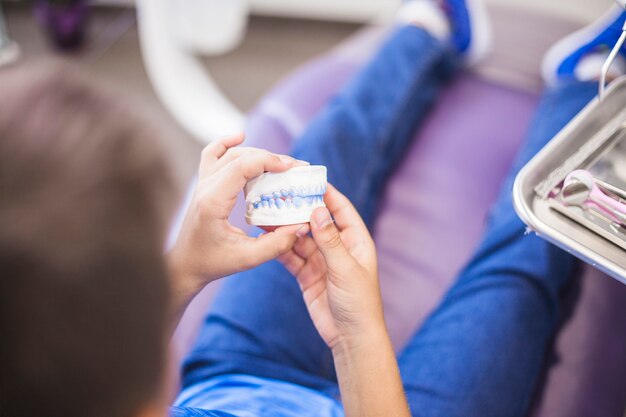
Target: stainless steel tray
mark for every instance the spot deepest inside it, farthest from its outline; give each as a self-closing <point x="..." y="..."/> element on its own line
<point x="597" y="127"/>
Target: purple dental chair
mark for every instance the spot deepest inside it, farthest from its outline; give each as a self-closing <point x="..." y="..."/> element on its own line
<point x="458" y="159"/>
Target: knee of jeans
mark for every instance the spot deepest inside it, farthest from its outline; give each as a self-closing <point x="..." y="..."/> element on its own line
<point x="515" y="281"/>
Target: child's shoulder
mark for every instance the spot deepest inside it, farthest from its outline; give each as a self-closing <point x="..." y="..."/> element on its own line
<point x="196" y="412"/>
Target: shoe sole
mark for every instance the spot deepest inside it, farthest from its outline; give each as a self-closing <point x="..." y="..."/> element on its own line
<point x="571" y="43"/>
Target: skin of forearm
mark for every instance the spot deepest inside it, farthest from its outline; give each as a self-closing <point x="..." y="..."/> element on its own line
<point x="183" y="289"/>
<point x="369" y="378"/>
<point x="180" y="299"/>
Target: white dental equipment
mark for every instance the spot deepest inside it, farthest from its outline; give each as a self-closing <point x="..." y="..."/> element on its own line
<point x="172" y="35"/>
<point x="285" y="198"/>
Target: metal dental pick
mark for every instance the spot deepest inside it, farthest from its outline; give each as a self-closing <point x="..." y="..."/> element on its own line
<point x="609" y="62"/>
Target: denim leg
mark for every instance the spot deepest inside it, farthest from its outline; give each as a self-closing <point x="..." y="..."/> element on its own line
<point x="481" y="352"/>
<point x="258" y="324"/>
<point x="364" y="131"/>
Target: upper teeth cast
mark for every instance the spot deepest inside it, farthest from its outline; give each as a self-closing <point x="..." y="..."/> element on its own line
<point x="292" y="197"/>
<point x="285" y="198"/>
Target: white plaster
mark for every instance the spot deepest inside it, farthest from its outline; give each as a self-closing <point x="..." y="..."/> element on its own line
<point x="306" y="180"/>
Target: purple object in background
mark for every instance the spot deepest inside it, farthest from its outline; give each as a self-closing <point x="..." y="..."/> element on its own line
<point x="458" y="159"/>
<point x="65" y="22"/>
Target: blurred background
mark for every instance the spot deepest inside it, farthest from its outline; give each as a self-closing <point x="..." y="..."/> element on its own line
<point x="199" y="66"/>
<point x="279" y="36"/>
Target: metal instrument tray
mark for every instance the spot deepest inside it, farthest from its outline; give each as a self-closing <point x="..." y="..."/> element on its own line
<point x="596" y="129"/>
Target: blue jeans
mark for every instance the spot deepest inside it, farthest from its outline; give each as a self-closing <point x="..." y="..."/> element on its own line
<point x="481" y="351"/>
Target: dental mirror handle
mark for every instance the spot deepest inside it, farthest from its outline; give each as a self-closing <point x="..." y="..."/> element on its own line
<point x="608" y="202"/>
<point x="612" y="215"/>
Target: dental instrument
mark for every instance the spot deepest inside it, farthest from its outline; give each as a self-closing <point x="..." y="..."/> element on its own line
<point x="580" y="189"/>
<point x="611" y="58"/>
<point x="290" y="197"/>
<point x="609" y="62"/>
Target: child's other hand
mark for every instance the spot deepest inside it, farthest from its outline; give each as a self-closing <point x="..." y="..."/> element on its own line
<point x="337" y="272"/>
<point x="208" y="246"/>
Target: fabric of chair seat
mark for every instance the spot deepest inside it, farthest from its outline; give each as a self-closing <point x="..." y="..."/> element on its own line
<point x="433" y="215"/>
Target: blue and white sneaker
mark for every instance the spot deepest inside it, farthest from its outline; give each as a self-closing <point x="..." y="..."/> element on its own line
<point x="471" y="28"/>
<point x="564" y="59"/>
<point x="463" y="23"/>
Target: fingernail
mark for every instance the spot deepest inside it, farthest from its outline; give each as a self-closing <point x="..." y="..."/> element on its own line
<point x="322" y="218"/>
<point x="287" y="160"/>
<point x="302" y="231"/>
<point x="300" y="162"/>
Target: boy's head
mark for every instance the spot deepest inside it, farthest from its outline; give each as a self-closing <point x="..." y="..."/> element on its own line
<point x="84" y="198"/>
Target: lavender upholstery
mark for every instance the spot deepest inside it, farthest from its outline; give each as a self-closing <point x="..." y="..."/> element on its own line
<point x="433" y="215"/>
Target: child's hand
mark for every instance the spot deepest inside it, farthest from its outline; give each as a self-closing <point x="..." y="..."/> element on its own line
<point x="337" y="272"/>
<point x="209" y="247"/>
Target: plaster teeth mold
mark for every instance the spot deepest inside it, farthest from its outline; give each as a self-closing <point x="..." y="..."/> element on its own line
<point x="285" y="198"/>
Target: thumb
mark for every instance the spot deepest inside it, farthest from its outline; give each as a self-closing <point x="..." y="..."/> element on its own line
<point x="274" y="244"/>
<point x="328" y="240"/>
